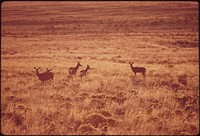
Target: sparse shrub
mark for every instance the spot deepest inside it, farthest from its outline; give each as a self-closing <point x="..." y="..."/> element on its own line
<point x="112" y="122"/>
<point x="4" y="107"/>
<point x="98" y="96"/>
<point x="79" y="99"/>
<point x="155" y="105"/>
<point x="7" y="89"/>
<point x="149" y="110"/>
<point x="179" y="112"/>
<point x="85" y="95"/>
<point x="51" y="129"/>
<point x="20" y="100"/>
<point x="175" y="87"/>
<point x="137" y="121"/>
<point x="136" y="81"/>
<point x="190" y="109"/>
<point x="165" y="114"/>
<point x="185" y="43"/>
<point x="23" y="128"/>
<point x="120" y="98"/>
<point x="56" y="115"/>
<point x="153" y="119"/>
<point x="96" y="103"/>
<point x="163" y="48"/>
<point x="10" y="98"/>
<point x="68" y="99"/>
<point x="190" y="117"/>
<point x="120" y="111"/>
<point x="57" y="97"/>
<point x="163" y="79"/>
<point x="46" y="120"/>
<point x="96" y="119"/>
<point x="76" y="124"/>
<point x="105" y="113"/>
<point x="87" y="129"/>
<point x="18" y="119"/>
<point x="8" y="115"/>
<point x="191" y="129"/>
<point x="104" y="129"/>
<point x="182" y="79"/>
<point x="78" y="57"/>
<point x="20" y="109"/>
<point x="181" y="101"/>
<point x="66" y="105"/>
<point x="176" y="132"/>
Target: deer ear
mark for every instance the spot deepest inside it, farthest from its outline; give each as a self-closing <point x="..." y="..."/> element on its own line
<point x="39" y="68"/>
<point x="34" y="68"/>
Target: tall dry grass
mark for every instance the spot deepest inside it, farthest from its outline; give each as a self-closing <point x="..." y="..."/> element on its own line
<point x="110" y="99"/>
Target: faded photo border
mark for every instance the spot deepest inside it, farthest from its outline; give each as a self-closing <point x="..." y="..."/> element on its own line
<point x="100" y="68"/>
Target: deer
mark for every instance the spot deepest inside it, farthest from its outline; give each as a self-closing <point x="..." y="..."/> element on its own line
<point x="48" y="75"/>
<point x="48" y="70"/>
<point x="72" y="70"/>
<point x="84" y="72"/>
<point x="138" y="69"/>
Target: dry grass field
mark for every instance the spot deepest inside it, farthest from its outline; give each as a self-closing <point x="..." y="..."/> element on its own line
<point x="160" y="36"/>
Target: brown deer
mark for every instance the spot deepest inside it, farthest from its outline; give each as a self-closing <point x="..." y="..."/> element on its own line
<point x="73" y="70"/>
<point x="48" y="70"/>
<point x="84" y="72"/>
<point x="138" y="69"/>
<point x="44" y="76"/>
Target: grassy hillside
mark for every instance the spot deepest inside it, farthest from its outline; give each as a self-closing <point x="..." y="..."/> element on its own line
<point x="160" y="36"/>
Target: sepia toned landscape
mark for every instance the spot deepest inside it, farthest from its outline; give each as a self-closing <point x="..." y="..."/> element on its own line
<point x="42" y="42"/>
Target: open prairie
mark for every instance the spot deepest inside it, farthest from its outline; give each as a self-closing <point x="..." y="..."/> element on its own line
<point x="162" y="37"/>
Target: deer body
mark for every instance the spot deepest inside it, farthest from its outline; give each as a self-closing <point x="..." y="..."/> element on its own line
<point x="84" y="72"/>
<point x="44" y="76"/>
<point x="73" y="70"/>
<point x="138" y="69"/>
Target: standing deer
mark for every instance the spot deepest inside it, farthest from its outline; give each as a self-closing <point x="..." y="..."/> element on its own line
<point x="84" y="72"/>
<point x="138" y="69"/>
<point x="48" y="70"/>
<point x="73" y="70"/>
<point x="44" y="76"/>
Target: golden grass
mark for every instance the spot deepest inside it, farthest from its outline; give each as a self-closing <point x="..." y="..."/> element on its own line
<point x="110" y="99"/>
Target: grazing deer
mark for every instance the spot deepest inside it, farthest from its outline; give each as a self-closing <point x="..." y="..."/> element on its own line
<point x="138" y="69"/>
<point x="73" y="70"/>
<point x="44" y="76"/>
<point x="84" y="72"/>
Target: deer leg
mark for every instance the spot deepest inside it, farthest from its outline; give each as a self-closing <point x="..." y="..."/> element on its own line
<point x="144" y="75"/>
